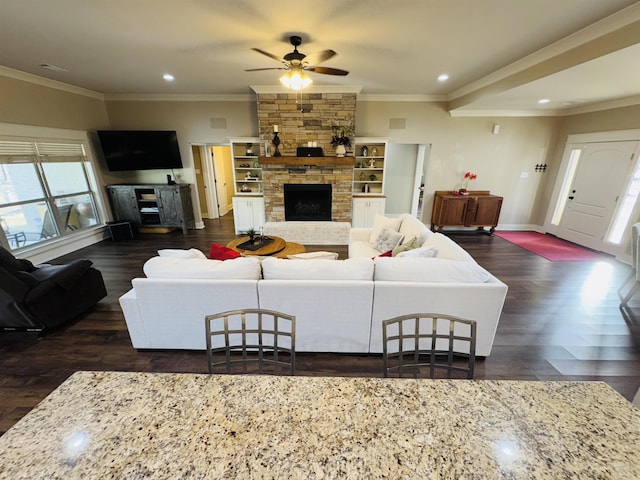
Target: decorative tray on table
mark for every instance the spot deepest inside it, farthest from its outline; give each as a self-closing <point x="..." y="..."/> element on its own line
<point x="255" y="244"/>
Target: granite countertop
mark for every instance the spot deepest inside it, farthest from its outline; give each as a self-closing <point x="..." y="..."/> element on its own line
<point x="100" y="425"/>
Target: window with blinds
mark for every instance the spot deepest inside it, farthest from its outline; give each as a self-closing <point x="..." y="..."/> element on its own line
<point x="45" y="191"/>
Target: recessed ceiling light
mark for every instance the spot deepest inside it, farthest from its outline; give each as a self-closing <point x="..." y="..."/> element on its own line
<point x="168" y="77"/>
<point x="443" y="77"/>
<point x="543" y="101"/>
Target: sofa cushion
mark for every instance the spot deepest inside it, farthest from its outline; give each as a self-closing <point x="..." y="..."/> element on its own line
<point x="314" y="256"/>
<point x="243" y="268"/>
<point x="427" y="252"/>
<point x="220" y="252"/>
<point x="362" y="249"/>
<point x="447" y="248"/>
<point x="406" y="245"/>
<point x="322" y="269"/>
<point x="387" y="239"/>
<point x="412" y="227"/>
<point x="177" y="253"/>
<point x="436" y="270"/>
<point x="379" y="222"/>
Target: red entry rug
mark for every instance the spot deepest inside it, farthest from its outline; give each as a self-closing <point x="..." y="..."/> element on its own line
<point x="550" y="247"/>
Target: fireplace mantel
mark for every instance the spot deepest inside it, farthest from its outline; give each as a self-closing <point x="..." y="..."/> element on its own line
<point x="303" y="161"/>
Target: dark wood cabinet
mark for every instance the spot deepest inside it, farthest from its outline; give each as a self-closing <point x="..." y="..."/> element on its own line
<point x="153" y="205"/>
<point x="477" y="209"/>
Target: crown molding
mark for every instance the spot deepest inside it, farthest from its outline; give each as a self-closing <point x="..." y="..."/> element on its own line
<point x="505" y="113"/>
<point x="557" y="112"/>
<point x="177" y="97"/>
<point x="46" y="82"/>
<point x="607" y="105"/>
<point x="373" y="97"/>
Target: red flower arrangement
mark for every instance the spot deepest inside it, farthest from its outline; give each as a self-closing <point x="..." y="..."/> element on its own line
<point x="468" y="176"/>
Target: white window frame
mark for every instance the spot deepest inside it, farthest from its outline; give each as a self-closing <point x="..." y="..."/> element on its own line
<point x="66" y="243"/>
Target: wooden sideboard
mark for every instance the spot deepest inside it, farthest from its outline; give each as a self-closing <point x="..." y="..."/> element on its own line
<point x="477" y="209"/>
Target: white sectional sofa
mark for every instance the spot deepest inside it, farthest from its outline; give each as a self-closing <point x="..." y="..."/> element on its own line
<point x="339" y="304"/>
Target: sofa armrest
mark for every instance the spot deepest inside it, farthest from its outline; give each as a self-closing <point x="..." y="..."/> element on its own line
<point x="63" y="276"/>
<point x="359" y="234"/>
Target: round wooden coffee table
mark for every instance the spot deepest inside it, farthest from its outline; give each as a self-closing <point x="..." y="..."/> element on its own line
<point x="278" y="248"/>
<point x="290" y="248"/>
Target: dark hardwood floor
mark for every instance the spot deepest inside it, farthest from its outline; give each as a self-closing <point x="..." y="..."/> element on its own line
<point x="561" y="321"/>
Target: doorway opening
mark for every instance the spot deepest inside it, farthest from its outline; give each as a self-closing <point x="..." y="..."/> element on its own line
<point x="405" y="177"/>
<point x="214" y="176"/>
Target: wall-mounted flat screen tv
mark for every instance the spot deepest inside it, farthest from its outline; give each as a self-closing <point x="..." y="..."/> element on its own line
<point x="140" y="149"/>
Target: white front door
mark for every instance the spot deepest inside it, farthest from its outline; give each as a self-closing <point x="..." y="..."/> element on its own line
<point x="597" y="185"/>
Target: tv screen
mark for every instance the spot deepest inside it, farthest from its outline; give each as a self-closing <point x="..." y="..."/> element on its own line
<point x="140" y="149"/>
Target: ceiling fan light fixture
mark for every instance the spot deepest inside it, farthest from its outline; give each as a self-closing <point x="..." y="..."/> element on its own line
<point x="295" y="80"/>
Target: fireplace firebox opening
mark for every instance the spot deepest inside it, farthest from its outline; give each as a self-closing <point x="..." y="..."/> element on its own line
<point x="307" y="202"/>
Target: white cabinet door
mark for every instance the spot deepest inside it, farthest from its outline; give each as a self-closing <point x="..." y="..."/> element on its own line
<point x="365" y="210"/>
<point x="248" y="212"/>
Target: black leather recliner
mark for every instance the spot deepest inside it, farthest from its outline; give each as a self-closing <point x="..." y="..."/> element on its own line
<point x="37" y="298"/>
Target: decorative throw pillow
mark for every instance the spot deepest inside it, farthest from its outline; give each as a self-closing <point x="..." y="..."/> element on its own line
<point x="388" y="239"/>
<point x="383" y="254"/>
<point x="425" y="252"/>
<point x="379" y="222"/>
<point x="176" y="253"/>
<point x="220" y="252"/>
<point x="412" y="227"/>
<point x="403" y="247"/>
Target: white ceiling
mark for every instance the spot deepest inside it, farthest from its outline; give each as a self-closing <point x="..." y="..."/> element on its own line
<point x="501" y="55"/>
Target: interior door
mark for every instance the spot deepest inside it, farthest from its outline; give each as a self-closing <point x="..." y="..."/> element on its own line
<point x="597" y="184"/>
<point x="201" y="184"/>
<point x="221" y="155"/>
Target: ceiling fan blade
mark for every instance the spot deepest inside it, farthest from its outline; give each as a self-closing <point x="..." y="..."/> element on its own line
<point x="270" y="55"/>
<point x="261" y="69"/>
<point x="319" y="57"/>
<point x="327" y="70"/>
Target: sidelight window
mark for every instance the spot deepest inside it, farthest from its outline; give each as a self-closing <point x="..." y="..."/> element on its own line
<point x="627" y="204"/>
<point x="567" y="181"/>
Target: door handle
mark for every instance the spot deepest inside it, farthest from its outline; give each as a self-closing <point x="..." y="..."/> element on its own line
<point x="571" y="198"/>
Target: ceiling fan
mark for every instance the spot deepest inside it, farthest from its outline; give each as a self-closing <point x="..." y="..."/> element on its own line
<point x="296" y="63"/>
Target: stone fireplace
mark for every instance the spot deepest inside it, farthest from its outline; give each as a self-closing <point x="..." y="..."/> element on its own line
<point x="276" y="175"/>
<point x="307" y="202"/>
<point x="303" y="118"/>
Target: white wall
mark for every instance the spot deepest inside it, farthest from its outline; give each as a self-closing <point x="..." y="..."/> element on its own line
<point x="457" y="144"/>
<point x="462" y="144"/>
